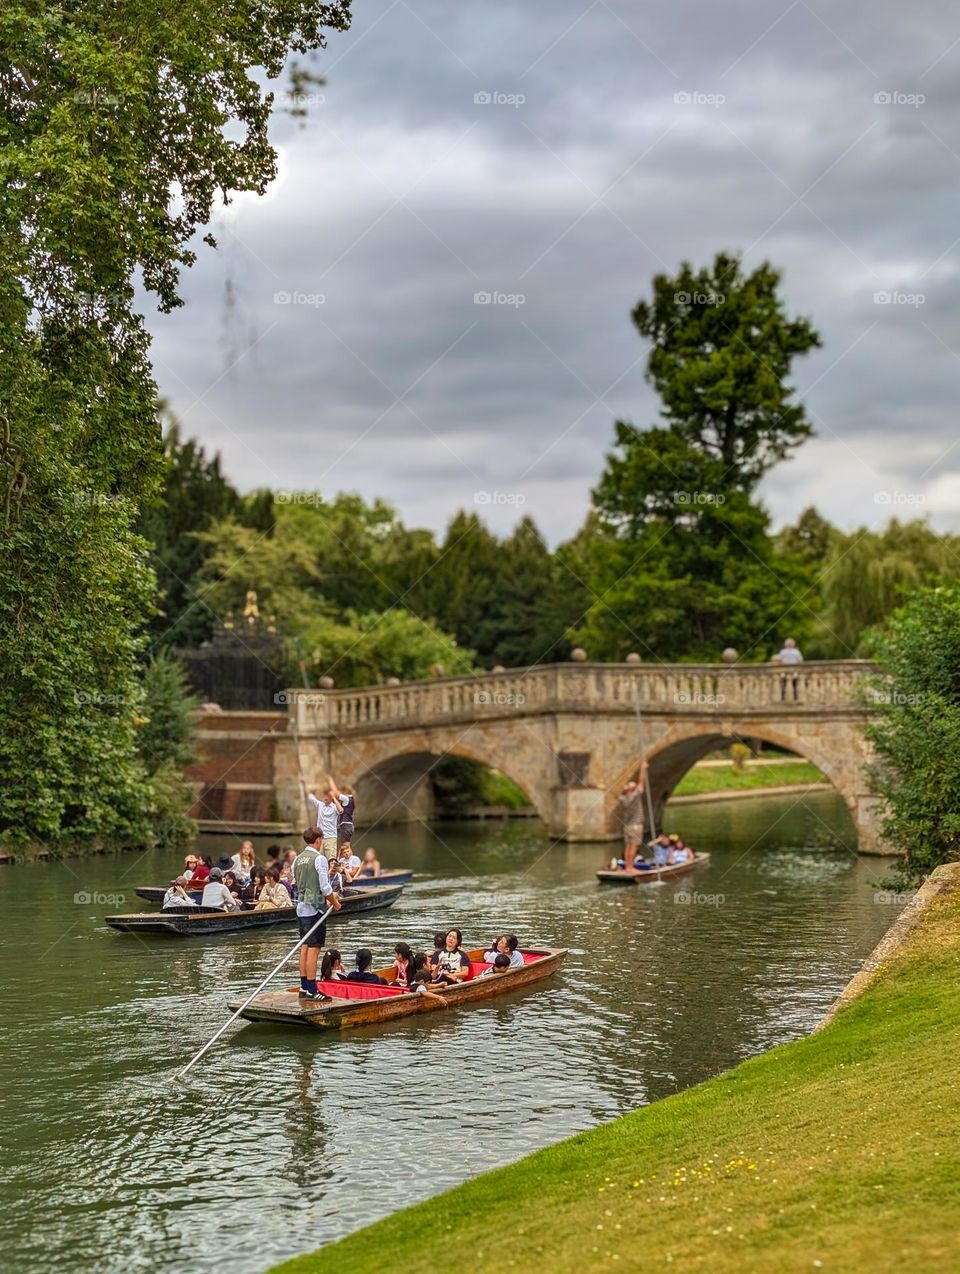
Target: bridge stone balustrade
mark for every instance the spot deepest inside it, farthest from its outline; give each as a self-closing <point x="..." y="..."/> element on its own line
<point x="571" y="734"/>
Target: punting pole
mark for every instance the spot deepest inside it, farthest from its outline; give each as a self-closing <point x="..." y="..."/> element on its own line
<point x="293" y="727"/>
<point x="253" y="995"/>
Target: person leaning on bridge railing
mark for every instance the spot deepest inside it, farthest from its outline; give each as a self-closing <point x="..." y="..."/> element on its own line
<point x="789" y="658"/>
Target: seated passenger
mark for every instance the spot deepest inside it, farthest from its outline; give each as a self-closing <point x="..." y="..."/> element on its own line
<point x="439" y="942"/>
<point x="244" y="863"/>
<point x="413" y="972"/>
<point x="513" y="951"/>
<point x="201" y="873"/>
<point x="681" y="852"/>
<point x="500" y="965"/>
<point x="661" y="849"/>
<point x="404" y="965"/>
<point x="453" y="963"/>
<point x="176" y="895"/>
<point x="497" y="947"/>
<point x="338" y="877"/>
<point x="371" y="864"/>
<point x="331" y="967"/>
<point x="190" y="864"/>
<point x="272" y="896"/>
<point x="216" y="894"/>
<point x="362" y="972"/>
<point x="236" y="890"/>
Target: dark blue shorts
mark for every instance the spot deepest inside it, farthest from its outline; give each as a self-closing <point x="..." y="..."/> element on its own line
<point x="319" y="935"/>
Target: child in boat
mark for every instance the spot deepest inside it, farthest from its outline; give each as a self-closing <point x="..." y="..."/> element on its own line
<point x="412" y="972"/>
<point x="362" y="973"/>
<point x="439" y="941"/>
<point x="453" y="963"/>
<point x="501" y="964"/>
<point x="331" y="967"/>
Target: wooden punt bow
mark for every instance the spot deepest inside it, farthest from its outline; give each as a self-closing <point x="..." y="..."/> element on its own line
<point x="628" y="877"/>
<point x="190" y="922"/>
<point x="155" y="893"/>
<point x="341" y="1014"/>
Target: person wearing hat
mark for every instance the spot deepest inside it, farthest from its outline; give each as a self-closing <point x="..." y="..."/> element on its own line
<point x="216" y="894"/>
<point x="176" y="895"/>
<point x="314" y="891"/>
<point x="190" y="863"/>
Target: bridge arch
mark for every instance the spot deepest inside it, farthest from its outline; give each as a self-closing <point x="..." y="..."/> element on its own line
<point x="392" y="780"/>
<point x="681" y="747"/>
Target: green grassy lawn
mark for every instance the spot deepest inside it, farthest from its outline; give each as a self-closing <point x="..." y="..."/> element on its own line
<point x="724" y="778"/>
<point x="838" y="1152"/>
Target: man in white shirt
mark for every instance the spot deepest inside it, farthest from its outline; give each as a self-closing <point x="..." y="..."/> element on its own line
<point x="328" y="808"/>
<point x="790" y="657"/>
<point x="216" y="894"/>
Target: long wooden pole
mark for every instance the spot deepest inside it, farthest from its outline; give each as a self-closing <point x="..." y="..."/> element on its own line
<point x="644" y="776"/>
<point x="253" y="995"/>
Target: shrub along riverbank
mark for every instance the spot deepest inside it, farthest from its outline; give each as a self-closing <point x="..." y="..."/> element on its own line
<point x="838" y="1151"/>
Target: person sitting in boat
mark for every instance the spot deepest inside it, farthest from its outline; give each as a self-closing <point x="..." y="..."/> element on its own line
<point x="177" y="896"/>
<point x="286" y="879"/>
<point x="331" y="967"/>
<point x="681" y="852"/>
<point x="439" y="942"/>
<point x="272" y="896"/>
<point x="501" y="964"/>
<point x="273" y="857"/>
<point x="190" y="863"/>
<point x="339" y="877"/>
<point x="661" y="847"/>
<point x="201" y="873"/>
<point x="413" y="972"/>
<point x="370" y="865"/>
<point x="507" y="944"/>
<point x="348" y="864"/>
<point x="453" y="963"/>
<point x="216" y="894"/>
<point x="244" y="863"/>
<point x="363" y="972"/>
<point x="236" y="889"/>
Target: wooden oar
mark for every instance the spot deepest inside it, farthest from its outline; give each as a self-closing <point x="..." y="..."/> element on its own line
<point x="270" y="976"/>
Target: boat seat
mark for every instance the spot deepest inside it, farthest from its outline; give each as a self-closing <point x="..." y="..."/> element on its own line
<point x="358" y="990"/>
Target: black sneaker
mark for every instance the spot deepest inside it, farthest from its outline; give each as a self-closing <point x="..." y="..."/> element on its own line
<point x="314" y="995"/>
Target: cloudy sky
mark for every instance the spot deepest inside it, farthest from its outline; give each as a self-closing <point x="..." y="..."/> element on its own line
<point x="555" y="157"/>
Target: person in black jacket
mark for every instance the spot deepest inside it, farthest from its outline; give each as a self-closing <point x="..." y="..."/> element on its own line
<point x="362" y="972"/>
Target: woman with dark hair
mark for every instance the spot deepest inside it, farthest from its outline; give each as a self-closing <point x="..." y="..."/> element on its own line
<point x="201" y="873"/>
<point x="272" y="895"/>
<point x="331" y="967"/>
<point x="453" y="963"/>
<point x="362" y="972"/>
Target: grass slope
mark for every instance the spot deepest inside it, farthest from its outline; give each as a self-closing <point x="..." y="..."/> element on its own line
<point x="724" y="778"/>
<point x="838" y="1152"/>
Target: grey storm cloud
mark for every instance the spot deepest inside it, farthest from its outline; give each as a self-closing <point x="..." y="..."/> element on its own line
<point x="553" y="158"/>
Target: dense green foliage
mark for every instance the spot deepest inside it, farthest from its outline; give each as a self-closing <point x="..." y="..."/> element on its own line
<point x="165" y="747"/>
<point x="917" y="736"/>
<point x="119" y="128"/>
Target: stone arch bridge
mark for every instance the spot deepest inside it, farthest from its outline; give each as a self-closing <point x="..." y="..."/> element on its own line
<point x="568" y="734"/>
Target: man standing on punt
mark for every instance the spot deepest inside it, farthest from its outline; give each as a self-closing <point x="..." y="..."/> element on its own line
<point x="314" y="891"/>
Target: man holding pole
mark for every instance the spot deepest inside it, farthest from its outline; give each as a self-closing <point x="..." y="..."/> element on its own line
<point x="312" y="877"/>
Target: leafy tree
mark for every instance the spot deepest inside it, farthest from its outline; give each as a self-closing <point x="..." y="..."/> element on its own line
<point x="119" y="128"/>
<point x="917" y="734"/>
<point x="366" y="649"/>
<point x="195" y="494"/>
<point x="683" y="567"/>
<point x="165" y="745"/>
<point x="810" y="539"/>
<point x="868" y="573"/>
<point x="723" y="347"/>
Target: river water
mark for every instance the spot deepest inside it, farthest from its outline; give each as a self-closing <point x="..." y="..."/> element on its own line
<point x="282" y="1139"/>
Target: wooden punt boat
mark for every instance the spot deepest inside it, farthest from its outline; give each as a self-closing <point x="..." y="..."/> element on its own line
<point x="192" y="921"/>
<point x="623" y="876"/>
<point x="401" y="876"/>
<point x="356" y="1004"/>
